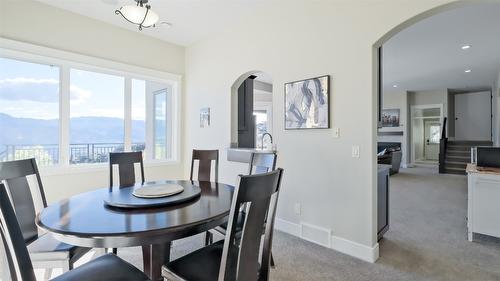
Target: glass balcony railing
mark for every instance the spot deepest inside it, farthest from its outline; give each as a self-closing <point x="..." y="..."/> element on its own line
<point x="48" y="154"/>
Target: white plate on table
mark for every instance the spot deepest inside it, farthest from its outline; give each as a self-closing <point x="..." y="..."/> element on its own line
<point x="158" y="190"/>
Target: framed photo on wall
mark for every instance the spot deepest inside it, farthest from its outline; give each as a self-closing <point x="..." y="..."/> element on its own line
<point x="205" y="117"/>
<point x="307" y="104"/>
<point x="390" y="117"/>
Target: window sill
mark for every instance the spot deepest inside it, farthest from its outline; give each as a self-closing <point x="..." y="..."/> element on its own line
<point x="92" y="168"/>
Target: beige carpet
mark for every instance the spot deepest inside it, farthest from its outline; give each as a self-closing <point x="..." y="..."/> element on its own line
<point x="426" y="240"/>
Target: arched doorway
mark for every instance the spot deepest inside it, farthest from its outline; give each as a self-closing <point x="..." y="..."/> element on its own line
<point x="252" y="110"/>
<point x="378" y="90"/>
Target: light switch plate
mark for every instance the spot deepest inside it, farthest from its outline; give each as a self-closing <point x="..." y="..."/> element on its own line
<point x="355" y="151"/>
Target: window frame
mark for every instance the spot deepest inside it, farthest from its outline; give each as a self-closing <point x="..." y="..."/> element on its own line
<point x="66" y="61"/>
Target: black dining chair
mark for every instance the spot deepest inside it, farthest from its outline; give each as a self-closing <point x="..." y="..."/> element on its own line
<point x="108" y="267"/>
<point x="126" y="170"/>
<point x="237" y="258"/>
<point x="45" y="251"/>
<point x="205" y="159"/>
<point x="126" y="167"/>
<point x="259" y="163"/>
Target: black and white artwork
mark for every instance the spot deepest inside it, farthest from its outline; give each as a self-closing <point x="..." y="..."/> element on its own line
<point x="307" y="104"/>
<point x="390" y="118"/>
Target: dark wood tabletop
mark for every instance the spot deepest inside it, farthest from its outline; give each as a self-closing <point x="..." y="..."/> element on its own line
<point x="84" y="220"/>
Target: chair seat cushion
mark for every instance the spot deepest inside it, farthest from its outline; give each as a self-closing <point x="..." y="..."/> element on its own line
<point x="108" y="267"/>
<point x="46" y="247"/>
<point x="199" y="265"/>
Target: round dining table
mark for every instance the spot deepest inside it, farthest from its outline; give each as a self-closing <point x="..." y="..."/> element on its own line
<point x="86" y="220"/>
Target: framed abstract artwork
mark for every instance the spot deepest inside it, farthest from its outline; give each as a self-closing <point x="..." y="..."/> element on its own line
<point x="307" y="104"/>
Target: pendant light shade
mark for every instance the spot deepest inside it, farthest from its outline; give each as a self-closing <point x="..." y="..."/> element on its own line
<point x="139" y="14"/>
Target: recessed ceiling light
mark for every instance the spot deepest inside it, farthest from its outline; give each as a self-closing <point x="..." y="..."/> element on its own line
<point x="466" y="47"/>
<point x="468" y="71"/>
<point x="394" y="86"/>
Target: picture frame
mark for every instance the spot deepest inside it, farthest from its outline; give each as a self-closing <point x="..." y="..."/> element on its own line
<point x="205" y="117"/>
<point x="307" y="103"/>
<point x="390" y="117"/>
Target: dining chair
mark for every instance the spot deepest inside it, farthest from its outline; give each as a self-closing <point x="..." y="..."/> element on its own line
<point x="205" y="159"/>
<point x="126" y="169"/>
<point x="45" y="251"/>
<point x="259" y="163"/>
<point x="233" y="258"/>
<point x="108" y="267"/>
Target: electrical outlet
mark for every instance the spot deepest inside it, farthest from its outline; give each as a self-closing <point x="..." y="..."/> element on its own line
<point x="297" y="208"/>
<point x="355" y="151"/>
<point x="336" y="132"/>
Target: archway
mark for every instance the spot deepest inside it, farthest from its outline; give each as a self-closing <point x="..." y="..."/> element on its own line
<point x="377" y="75"/>
<point x="260" y="101"/>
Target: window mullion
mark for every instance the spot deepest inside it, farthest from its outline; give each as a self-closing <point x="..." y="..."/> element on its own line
<point x="64" y="115"/>
<point x="128" y="114"/>
<point x="150" y="117"/>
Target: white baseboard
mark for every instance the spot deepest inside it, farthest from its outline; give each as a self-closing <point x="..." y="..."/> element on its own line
<point x="288" y="227"/>
<point x="322" y="236"/>
<point x="360" y="251"/>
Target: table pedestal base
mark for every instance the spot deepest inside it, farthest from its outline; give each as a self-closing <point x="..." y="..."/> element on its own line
<point x="154" y="257"/>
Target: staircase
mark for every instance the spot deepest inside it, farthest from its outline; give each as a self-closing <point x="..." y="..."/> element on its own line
<point x="458" y="155"/>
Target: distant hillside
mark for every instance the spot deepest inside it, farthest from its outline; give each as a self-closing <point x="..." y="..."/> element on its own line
<point x="83" y="130"/>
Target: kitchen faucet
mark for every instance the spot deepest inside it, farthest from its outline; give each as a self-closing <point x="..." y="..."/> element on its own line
<point x="262" y="140"/>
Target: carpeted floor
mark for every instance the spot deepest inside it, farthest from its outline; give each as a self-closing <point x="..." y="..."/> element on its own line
<point x="426" y="240"/>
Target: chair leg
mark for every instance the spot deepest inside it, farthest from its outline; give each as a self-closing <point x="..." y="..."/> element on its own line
<point x="47" y="274"/>
<point x="273" y="265"/>
<point x="209" y="238"/>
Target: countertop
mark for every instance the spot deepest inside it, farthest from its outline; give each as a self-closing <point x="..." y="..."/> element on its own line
<point x="472" y="168"/>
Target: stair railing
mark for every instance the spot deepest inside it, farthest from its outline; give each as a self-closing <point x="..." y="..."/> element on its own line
<point x="443" y="146"/>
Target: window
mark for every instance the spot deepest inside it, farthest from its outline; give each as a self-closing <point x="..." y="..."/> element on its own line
<point x="261" y="128"/>
<point x="97" y="116"/>
<point x="29" y="111"/>
<point x="74" y="113"/>
<point x="162" y="103"/>
<point x="262" y="113"/>
<point x="138" y="115"/>
<point x="435" y="132"/>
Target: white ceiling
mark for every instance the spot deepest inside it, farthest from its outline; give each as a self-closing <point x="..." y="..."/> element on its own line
<point x="428" y="54"/>
<point x="192" y="20"/>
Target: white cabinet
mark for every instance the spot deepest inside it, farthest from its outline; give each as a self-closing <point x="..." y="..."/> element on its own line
<point x="483" y="202"/>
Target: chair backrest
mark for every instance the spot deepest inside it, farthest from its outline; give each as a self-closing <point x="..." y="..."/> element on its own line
<point x="13" y="175"/>
<point x="262" y="163"/>
<point x="126" y="169"/>
<point x="260" y="194"/>
<point x="18" y="259"/>
<point x="205" y="158"/>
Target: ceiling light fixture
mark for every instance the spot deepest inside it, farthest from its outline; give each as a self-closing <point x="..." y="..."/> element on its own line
<point x="139" y="14"/>
<point x="394" y="86"/>
<point x="466" y="47"/>
<point x="468" y="71"/>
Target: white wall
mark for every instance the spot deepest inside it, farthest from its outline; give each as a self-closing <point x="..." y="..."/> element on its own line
<point x="439" y="96"/>
<point x="473" y="113"/>
<point x="397" y="99"/>
<point x="292" y="42"/>
<point x="39" y="24"/>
